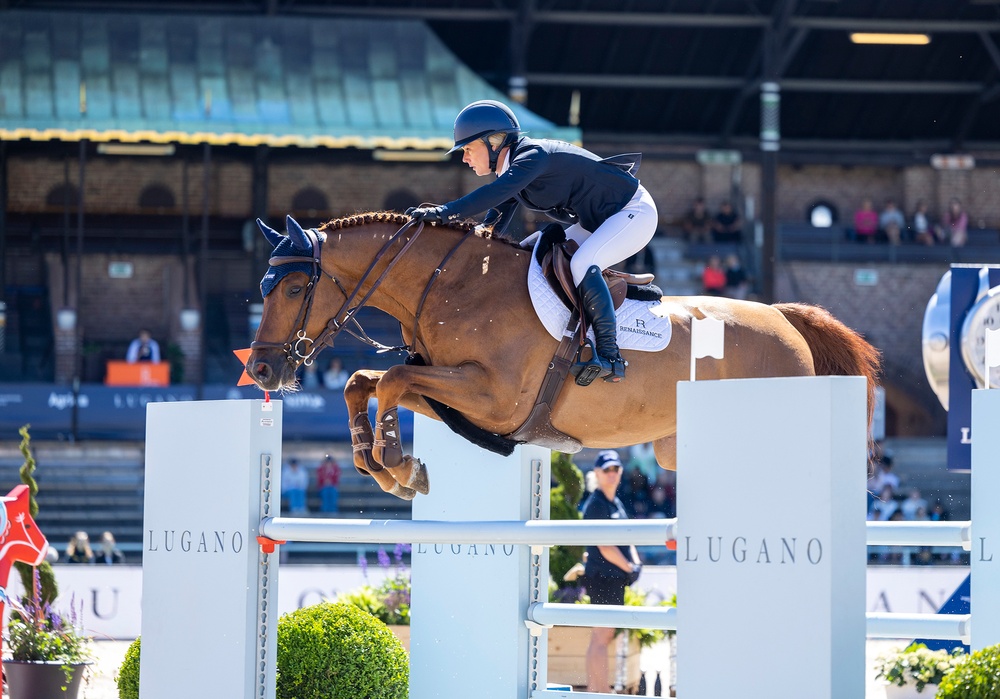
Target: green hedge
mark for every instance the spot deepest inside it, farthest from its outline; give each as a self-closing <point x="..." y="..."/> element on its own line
<point x="977" y="677"/>
<point x="326" y="651"/>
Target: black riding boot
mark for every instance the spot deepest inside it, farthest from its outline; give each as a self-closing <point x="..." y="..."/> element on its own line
<point x="606" y="362"/>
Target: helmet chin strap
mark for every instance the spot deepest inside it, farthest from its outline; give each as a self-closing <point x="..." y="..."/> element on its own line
<point x="494" y="155"/>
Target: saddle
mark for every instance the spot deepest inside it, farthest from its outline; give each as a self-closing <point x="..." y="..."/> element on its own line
<point x="556" y="269"/>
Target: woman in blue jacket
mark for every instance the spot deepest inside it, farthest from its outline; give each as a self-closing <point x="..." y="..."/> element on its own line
<point x="607" y="211"/>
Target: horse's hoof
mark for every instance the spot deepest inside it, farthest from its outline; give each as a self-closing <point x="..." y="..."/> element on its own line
<point x="402" y="492"/>
<point x="419" y="480"/>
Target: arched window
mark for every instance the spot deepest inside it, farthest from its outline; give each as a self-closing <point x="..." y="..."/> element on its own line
<point x="64" y="194"/>
<point x="156" y="196"/>
<point x="821" y="214"/>
<point x="310" y="202"/>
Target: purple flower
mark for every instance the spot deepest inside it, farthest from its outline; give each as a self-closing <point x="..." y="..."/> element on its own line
<point x="383" y="558"/>
<point x="363" y="563"/>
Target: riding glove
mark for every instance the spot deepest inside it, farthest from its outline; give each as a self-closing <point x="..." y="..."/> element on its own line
<point x="634" y="575"/>
<point x="427" y="214"/>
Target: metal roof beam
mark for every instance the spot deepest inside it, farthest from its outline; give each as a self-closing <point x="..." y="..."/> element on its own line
<point x="895" y="26"/>
<point x="711" y="82"/>
<point x="653" y="19"/>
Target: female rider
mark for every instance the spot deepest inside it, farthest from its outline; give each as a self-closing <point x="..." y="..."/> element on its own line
<point x="608" y="213"/>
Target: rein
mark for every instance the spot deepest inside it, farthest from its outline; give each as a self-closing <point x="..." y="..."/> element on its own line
<point x="295" y="347"/>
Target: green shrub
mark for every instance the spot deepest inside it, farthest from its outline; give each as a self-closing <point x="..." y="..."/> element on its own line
<point x="327" y="651"/>
<point x="564" y="499"/>
<point x="128" y="674"/>
<point x="977" y="677"/>
<point x="337" y="651"/>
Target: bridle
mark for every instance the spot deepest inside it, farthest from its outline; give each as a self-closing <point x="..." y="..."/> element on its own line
<point x="299" y="347"/>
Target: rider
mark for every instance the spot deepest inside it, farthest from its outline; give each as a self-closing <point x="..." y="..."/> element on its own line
<point x="608" y="212"/>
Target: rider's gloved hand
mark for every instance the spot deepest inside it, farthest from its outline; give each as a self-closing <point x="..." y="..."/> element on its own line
<point x="636" y="572"/>
<point x="427" y="214"/>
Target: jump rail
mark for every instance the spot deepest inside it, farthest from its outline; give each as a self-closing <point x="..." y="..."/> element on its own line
<point x="640" y="532"/>
<point x="604" y="533"/>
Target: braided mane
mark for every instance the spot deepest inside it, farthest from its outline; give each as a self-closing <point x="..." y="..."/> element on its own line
<point x="393" y="217"/>
<point x="397" y="219"/>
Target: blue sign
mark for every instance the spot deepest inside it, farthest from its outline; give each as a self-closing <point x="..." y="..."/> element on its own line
<point x="964" y="290"/>
<point x="958" y="603"/>
<point x="119" y="413"/>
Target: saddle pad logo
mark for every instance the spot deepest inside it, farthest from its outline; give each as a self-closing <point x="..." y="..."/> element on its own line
<point x="638" y="327"/>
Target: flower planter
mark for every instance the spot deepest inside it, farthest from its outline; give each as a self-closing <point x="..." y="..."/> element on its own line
<point x="402" y="633"/>
<point x="42" y="680"/>
<point x="568" y="658"/>
<point x="909" y="691"/>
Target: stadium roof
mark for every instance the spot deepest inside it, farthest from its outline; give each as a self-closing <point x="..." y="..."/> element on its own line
<point x="247" y="80"/>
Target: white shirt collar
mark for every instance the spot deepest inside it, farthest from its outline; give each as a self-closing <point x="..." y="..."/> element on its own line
<point x="502" y="163"/>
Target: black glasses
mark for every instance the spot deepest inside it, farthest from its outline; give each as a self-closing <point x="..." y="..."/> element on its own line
<point x="613" y="468"/>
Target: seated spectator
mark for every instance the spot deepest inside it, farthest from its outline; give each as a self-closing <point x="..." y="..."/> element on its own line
<point x="697" y="224"/>
<point x="885" y="506"/>
<point x="891" y="222"/>
<point x="737" y="281"/>
<point x="143" y="349"/>
<point x="883" y="476"/>
<point x="954" y="226"/>
<point x="727" y="226"/>
<point x="923" y="233"/>
<point x="938" y="513"/>
<point x="914" y="504"/>
<point x="713" y="277"/>
<point x="109" y="552"/>
<point x="78" y="549"/>
<point x="865" y="222"/>
<point x="335" y="377"/>
<point x="294" y="482"/>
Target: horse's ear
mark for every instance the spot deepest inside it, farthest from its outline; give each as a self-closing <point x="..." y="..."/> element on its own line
<point x="273" y="236"/>
<point x="298" y="236"/>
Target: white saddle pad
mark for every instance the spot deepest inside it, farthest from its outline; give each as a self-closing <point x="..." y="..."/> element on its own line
<point x="638" y="327"/>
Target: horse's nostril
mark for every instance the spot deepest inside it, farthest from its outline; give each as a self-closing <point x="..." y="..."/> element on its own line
<point x="262" y="370"/>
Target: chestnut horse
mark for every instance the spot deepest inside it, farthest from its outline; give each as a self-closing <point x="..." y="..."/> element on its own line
<point x="462" y="300"/>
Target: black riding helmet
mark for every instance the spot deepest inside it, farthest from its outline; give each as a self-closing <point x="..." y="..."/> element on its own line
<point x="482" y="119"/>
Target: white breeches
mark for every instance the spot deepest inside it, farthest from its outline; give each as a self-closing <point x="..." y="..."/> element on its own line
<point x="617" y="239"/>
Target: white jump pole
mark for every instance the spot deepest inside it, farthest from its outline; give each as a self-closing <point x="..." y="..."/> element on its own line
<point x="771" y="556"/>
<point x="213" y="471"/>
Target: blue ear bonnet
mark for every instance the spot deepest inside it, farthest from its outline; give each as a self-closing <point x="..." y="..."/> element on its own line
<point x="275" y="274"/>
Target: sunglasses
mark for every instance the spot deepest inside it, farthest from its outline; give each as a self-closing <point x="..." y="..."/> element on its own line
<point x="614" y="468"/>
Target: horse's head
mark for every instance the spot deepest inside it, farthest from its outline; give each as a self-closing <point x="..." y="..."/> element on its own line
<point x="20" y="537"/>
<point x="299" y="300"/>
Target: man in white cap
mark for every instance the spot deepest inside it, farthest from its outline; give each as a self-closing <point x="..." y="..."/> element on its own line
<point x="609" y="569"/>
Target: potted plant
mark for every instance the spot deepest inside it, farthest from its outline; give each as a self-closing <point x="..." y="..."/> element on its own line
<point x="389" y="602"/>
<point x="49" y="650"/>
<point x="916" y="671"/>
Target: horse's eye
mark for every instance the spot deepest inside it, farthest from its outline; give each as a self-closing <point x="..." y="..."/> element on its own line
<point x="294" y="290"/>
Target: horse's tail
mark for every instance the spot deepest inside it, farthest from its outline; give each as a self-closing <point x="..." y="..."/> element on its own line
<point x="837" y="350"/>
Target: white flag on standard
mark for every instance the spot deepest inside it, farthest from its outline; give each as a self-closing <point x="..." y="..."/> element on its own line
<point x="707" y="336"/>
<point x="992" y="340"/>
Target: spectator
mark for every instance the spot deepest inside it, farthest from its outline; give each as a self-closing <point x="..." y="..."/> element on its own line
<point x="109" y="552"/>
<point x="143" y="349"/>
<point x="78" y="549"/>
<point x="885" y="506"/>
<point x="713" y="277"/>
<point x="328" y="483"/>
<point x="642" y="457"/>
<point x="883" y="476"/>
<point x="310" y="376"/>
<point x="727" y="226"/>
<point x="891" y="222"/>
<point x="737" y="281"/>
<point x="697" y="224"/>
<point x="294" y="482"/>
<point x="335" y="377"/>
<point x="923" y="233"/>
<point x="865" y="222"/>
<point x="938" y="512"/>
<point x="912" y="505"/>
<point x="954" y="225"/>
<point x="609" y="569"/>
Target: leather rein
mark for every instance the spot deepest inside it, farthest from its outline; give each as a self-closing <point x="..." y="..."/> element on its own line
<point x="299" y="347"/>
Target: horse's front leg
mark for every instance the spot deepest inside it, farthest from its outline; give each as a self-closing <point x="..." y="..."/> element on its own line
<point x="359" y="389"/>
<point x="462" y="388"/>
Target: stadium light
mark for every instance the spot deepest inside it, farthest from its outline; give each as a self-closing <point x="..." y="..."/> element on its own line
<point x="893" y="39"/>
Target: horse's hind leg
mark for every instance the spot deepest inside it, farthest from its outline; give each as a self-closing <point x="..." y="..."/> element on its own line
<point x="359" y="389"/>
